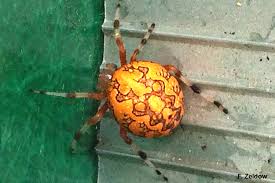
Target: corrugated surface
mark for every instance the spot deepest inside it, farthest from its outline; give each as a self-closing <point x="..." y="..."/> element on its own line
<point x="228" y="49"/>
<point x="49" y="45"/>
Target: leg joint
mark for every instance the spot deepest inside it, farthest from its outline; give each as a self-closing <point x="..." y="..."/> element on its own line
<point x="195" y="89"/>
<point x="143" y="41"/>
<point x="116" y="24"/>
<point x="142" y="155"/>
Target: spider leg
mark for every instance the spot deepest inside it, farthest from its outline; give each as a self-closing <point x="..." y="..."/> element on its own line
<point x="142" y="42"/>
<point x="91" y="95"/>
<point x="140" y="153"/>
<point x="119" y="42"/>
<point x="91" y="121"/>
<point x="195" y="88"/>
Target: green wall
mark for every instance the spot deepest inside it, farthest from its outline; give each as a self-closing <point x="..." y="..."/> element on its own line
<point x="50" y="45"/>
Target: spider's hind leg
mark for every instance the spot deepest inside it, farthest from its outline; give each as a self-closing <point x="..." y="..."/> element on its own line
<point x="142" y="43"/>
<point x="195" y="88"/>
<point x="140" y="153"/>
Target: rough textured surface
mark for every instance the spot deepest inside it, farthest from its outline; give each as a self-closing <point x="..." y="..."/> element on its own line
<point x="53" y="45"/>
<point x="228" y="49"/>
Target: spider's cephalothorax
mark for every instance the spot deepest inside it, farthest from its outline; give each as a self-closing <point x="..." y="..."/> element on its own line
<point x="146" y="99"/>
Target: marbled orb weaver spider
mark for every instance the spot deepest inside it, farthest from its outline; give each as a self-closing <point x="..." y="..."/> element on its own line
<point x="145" y="97"/>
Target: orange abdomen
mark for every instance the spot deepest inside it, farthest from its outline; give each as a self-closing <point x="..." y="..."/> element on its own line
<point x="146" y="99"/>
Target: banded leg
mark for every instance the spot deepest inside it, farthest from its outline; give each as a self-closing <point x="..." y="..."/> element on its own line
<point x="140" y="153"/>
<point x="119" y="42"/>
<point x="92" y="121"/>
<point x="142" y="42"/>
<point x="91" y="95"/>
<point x="194" y="87"/>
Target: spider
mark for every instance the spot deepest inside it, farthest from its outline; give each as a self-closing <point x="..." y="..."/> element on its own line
<point x="145" y="97"/>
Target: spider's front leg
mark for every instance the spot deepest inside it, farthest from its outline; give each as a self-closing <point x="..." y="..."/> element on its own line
<point x="142" y="43"/>
<point x="194" y="87"/>
<point x="119" y="42"/>
<point x="140" y="153"/>
<point x="92" y="121"/>
<point x="90" y="95"/>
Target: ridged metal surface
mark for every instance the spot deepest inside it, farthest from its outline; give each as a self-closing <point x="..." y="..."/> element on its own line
<point x="228" y="49"/>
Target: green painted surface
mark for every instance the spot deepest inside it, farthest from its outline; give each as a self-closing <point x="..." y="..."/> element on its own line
<point x="53" y="45"/>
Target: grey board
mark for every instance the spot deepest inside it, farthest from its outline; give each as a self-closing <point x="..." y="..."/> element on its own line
<point x="228" y="49"/>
